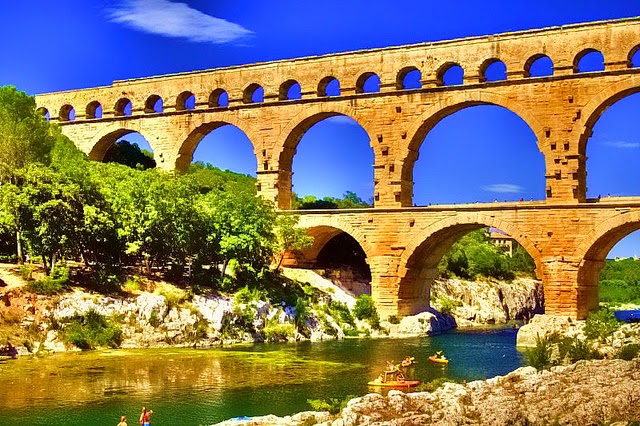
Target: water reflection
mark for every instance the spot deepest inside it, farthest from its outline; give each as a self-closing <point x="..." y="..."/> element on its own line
<point x="189" y="386"/>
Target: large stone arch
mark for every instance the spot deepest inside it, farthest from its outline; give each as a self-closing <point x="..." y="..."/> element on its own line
<point x="200" y="126"/>
<point x="297" y="126"/>
<point x="454" y="102"/>
<point x="106" y="136"/>
<point x="339" y="224"/>
<point x="591" y="253"/>
<point x="419" y="261"/>
<point x="292" y="133"/>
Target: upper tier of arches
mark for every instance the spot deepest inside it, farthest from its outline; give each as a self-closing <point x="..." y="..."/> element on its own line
<point x="494" y="60"/>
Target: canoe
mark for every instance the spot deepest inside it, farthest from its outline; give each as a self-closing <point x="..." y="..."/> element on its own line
<point x="396" y="384"/>
<point x="434" y="358"/>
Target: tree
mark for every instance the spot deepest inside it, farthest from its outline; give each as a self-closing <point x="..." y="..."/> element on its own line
<point x="290" y="237"/>
<point x="129" y="154"/>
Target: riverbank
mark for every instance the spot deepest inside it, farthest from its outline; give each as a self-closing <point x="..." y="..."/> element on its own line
<point x="584" y="393"/>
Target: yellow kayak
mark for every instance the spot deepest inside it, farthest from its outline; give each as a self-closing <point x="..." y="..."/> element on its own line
<point x="439" y="360"/>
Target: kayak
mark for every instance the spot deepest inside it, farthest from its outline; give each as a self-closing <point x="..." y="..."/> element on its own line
<point x="396" y="384"/>
<point x="434" y="358"/>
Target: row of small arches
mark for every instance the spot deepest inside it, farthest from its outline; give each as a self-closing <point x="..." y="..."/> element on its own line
<point x="449" y="74"/>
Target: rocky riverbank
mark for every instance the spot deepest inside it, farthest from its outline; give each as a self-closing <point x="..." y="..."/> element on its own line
<point x="603" y="392"/>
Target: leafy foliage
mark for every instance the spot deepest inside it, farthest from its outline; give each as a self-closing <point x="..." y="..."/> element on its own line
<point x="629" y="352"/>
<point x="129" y="154"/>
<point x="350" y="200"/>
<point x="539" y="357"/>
<point x="332" y="405"/>
<point x="92" y="330"/>
<point x="474" y="255"/>
<point x="601" y="324"/>
<point x="620" y="281"/>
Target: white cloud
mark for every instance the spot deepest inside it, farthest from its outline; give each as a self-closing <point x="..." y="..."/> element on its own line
<point x="622" y="144"/>
<point x="503" y="188"/>
<point x="171" y="19"/>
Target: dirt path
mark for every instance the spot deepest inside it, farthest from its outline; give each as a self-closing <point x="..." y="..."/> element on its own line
<point x="10" y="274"/>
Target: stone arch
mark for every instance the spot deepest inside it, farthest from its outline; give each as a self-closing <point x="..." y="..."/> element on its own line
<point x="486" y="64"/>
<point x="584" y="52"/>
<point x="66" y="113"/>
<point x="322" y="85"/>
<point x="283" y="91"/>
<point x="151" y="102"/>
<point x="402" y="74"/>
<point x="293" y="131"/>
<point x="419" y="260"/>
<point x="215" y="97"/>
<point x="593" y="110"/>
<point x="92" y="109"/>
<point x="103" y="139"/>
<point x="120" y="108"/>
<point x="249" y="92"/>
<point x="363" y="79"/>
<point x="182" y="99"/>
<point x="632" y="53"/>
<point x="330" y="226"/>
<point x="421" y="126"/>
<point x="202" y="125"/>
<point x="592" y="251"/>
<point x="443" y="69"/>
<point x="529" y="63"/>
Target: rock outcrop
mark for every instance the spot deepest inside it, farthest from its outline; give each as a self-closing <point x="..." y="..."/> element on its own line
<point x="585" y="393"/>
<point x="488" y="302"/>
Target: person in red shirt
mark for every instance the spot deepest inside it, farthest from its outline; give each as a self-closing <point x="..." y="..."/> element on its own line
<point x="144" y="416"/>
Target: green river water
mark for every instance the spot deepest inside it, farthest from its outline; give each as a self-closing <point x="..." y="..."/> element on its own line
<point x="201" y="387"/>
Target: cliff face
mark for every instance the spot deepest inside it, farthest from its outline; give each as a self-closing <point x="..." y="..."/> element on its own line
<point x="585" y="393"/>
<point x="488" y="302"/>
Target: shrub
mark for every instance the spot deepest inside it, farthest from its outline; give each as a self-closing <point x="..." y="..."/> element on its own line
<point x="575" y="349"/>
<point x="246" y="295"/>
<point x="340" y="312"/>
<point x="301" y="311"/>
<point x="277" y="332"/>
<point x="133" y="284"/>
<point x="364" y="307"/>
<point x="540" y="356"/>
<point x="393" y="319"/>
<point x="447" y="304"/>
<point x="92" y="330"/>
<point x="601" y="324"/>
<point x="26" y="272"/>
<point x="332" y="405"/>
<point x="46" y="286"/>
<point x="629" y="352"/>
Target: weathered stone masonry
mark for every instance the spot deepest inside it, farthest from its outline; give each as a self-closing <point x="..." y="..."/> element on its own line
<point x="568" y="235"/>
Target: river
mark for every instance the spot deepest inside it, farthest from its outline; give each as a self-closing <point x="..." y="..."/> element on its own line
<point x="201" y="387"/>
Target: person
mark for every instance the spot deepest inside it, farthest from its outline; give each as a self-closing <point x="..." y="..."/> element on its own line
<point x="123" y="421"/>
<point x="144" y="416"/>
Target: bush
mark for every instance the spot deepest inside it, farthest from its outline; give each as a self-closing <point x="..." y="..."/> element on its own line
<point x="46" y="286"/>
<point x="393" y="319"/>
<point x="364" y="307"/>
<point x="277" y="332"/>
<point x="340" y="312"/>
<point x="332" y="405"/>
<point x="629" y="352"/>
<point x="575" y="349"/>
<point x="601" y="324"/>
<point x="26" y="272"/>
<point x="301" y="311"/>
<point x="92" y="330"/>
<point x="447" y="304"/>
<point x="540" y="356"/>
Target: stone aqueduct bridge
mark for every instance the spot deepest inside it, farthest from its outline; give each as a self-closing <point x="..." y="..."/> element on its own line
<point x="567" y="235"/>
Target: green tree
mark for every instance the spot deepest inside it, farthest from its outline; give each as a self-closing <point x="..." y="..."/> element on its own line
<point x="129" y="154"/>
<point x="290" y="237"/>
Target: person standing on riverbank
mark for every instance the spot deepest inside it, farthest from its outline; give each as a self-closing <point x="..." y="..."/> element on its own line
<point x="144" y="416"/>
<point x="123" y="421"/>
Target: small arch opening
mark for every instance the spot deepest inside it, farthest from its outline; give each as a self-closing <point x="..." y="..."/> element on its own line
<point x="409" y="78"/>
<point x="368" y="83"/>
<point x="44" y="112"/>
<point x="329" y="86"/>
<point x="94" y="110"/>
<point x="589" y="60"/>
<point x="123" y="108"/>
<point x="289" y="90"/>
<point x="185" y="101"/>
<point x="253" y="94"/>
<point x="634" y="57"/>
<point x="538" y="66"/>
<point x="153" y="105"/>
<point x="218" y="98"/>
<point x="450" y="74"/>
<point x="493" y="70"/>
<point x="67" y="113"/>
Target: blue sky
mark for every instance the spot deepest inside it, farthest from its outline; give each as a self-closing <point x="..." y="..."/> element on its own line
<point x="70" y="44"/>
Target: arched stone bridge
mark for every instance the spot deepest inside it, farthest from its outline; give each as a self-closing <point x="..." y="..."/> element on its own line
<point x="567" y="235"/>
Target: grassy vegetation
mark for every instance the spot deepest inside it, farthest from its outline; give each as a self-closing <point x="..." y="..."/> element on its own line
<point x="90" y="331"/>
<point x="620" y="282"/>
